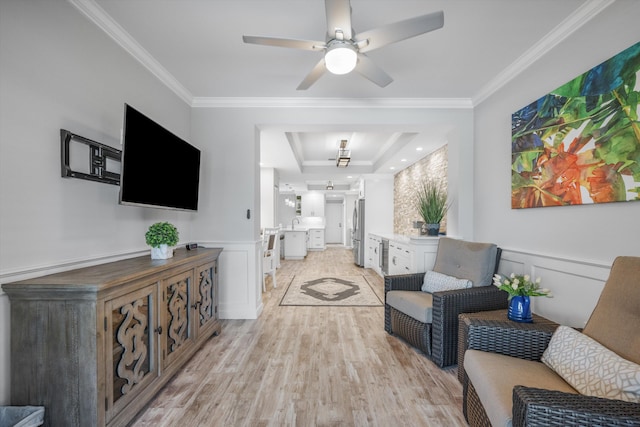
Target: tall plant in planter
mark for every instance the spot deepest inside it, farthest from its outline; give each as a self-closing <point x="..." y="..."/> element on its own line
<point x="160" y="237"/>
<point x="432" y="205"/>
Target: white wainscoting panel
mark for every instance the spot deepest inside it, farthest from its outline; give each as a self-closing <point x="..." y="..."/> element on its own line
<point x="239" y="285"/>
<point x="575" y="285"/>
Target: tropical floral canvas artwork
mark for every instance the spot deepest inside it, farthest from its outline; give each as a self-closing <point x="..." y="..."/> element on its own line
<point x="580" y="143"/>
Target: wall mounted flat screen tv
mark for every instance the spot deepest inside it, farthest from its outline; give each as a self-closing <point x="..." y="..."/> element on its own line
<point x="158" y="169"/>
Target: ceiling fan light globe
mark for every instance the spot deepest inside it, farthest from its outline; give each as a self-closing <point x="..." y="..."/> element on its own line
<point x="341" y="58"/>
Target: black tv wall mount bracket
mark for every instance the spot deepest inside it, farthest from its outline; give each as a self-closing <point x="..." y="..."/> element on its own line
<point x="104" y="161"/>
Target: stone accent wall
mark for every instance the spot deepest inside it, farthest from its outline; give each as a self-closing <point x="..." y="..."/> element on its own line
<point x="406" y="184"/>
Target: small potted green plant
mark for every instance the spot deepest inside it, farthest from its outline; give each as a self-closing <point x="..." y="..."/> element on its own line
<point x="432" y="205"/>
<point x="160" y="237"/>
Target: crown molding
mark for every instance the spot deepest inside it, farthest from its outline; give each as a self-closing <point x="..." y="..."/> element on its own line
<point x="576" y="20"/>
<point x="106" y="23"/>
<point x="572" y="23"/>
<point x="271" y="102"/>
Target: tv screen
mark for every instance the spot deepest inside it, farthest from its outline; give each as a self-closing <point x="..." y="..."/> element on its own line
<point x="158" y="168"/>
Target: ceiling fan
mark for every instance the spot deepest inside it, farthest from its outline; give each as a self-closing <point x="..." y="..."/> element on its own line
<point x="344" y="50"/>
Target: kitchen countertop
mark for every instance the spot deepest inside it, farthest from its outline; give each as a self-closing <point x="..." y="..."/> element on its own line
<point x="290" y="230"/>
<point x="302" y="228"/>
<point x="403" y="238"/>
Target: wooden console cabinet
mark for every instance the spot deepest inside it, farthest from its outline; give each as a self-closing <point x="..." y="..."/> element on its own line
<point x="94" y="345"/>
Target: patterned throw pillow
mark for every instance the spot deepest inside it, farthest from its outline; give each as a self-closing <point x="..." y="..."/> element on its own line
<point x="591" y="368"/>
<point x="437" y="282"/>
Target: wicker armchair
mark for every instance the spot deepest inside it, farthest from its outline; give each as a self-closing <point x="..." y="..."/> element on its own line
<point x="614" y="324"/>
<point x="439" y="338"/>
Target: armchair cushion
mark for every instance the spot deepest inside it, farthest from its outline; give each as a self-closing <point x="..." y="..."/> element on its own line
<point x="467" y="260"/>
<point x="418" y="305"/>
<point x="615" y="319"/>
<point x="494" y="375"/>
<point x="438" y="282"/>
<point x="591" y="368"/>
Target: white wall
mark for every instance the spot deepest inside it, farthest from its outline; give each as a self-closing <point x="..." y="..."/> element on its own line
<point x="268" y="197"/>
<point x="567" y="246"/>
<point x="58" y="70"/>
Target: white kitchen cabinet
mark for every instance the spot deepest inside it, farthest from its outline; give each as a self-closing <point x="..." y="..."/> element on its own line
<point x="400" y="258"/>
<point x="313" y="204"/>
<point x="374" y="253"/>
<point x="406" y="254"/>
<point x="295" y="244"/>
<point x="316" y="239"/>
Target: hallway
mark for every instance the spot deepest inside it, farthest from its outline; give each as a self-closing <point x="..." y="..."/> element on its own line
<point x="309" y="366"/>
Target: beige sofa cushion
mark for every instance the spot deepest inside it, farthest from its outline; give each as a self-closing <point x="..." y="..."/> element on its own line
<point x="591" y="368"/>
<point x="615" y="320"/>
<point x="416" y="304"/>
<point x="494" y="376"/>
<point x="466" y="260"/>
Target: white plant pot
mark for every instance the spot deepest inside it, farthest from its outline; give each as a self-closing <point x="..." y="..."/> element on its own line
<point x="161" y="252"/>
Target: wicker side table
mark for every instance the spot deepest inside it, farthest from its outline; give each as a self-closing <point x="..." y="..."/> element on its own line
<point x="477" y="331"/>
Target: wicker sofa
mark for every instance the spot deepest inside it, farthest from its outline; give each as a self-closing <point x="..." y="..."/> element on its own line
<point x="509" y="387"/>
<point x="438" y="338"/>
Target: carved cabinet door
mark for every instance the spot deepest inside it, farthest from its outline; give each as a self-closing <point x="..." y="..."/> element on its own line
<point x="131" y="327"/>
<point x="176" y="313"/>
<point x="206" y="296"/>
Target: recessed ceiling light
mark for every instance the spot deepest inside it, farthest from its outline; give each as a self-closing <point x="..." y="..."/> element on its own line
<point x="392" y="168"/>
<point x="403" y="160"/>
<point x="419" y="149"/>
<point x="349" y="177"/>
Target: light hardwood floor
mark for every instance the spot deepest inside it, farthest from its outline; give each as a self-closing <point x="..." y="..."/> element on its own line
<point x="309" y="366"/>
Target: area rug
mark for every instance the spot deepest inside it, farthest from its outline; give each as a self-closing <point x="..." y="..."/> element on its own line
<point x="349" y="291"/>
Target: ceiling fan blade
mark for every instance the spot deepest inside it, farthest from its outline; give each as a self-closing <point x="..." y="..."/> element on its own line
<point x="338" y="18"/>
<point x="313" y="76"/>
<point x="382" y="36"/>
<point x="281" y="42"/>
<point x="371" y="71"/>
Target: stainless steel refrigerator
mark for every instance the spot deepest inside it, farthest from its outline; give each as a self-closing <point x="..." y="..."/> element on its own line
<point x="358" y="232"/>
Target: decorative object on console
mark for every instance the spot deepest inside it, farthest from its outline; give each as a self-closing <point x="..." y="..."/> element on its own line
<point x="432" y="205"/>
<point x="578" y="144"/>
<point x="160" y="237"/>
<point x="520" y="288"/>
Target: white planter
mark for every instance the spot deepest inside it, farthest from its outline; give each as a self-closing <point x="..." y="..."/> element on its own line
<point x="161" y="252"/>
